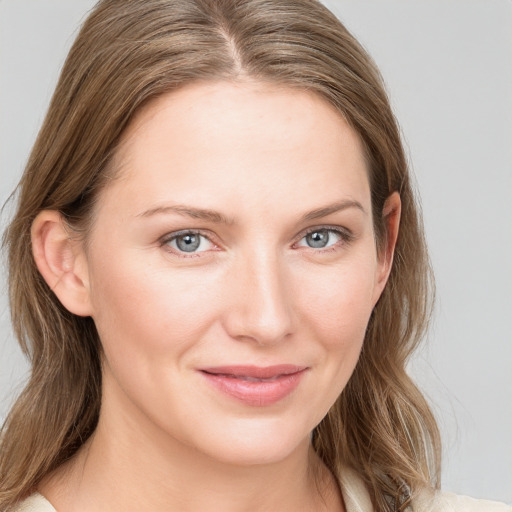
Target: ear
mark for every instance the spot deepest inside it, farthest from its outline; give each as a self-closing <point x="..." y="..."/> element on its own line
<point x="391" y="217"/>
<point x="61" y="261"/>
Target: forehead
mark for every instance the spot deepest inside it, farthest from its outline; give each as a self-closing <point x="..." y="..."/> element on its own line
<point x="247" y="138"/>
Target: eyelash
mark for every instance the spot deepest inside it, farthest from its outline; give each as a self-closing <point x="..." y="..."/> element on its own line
<point x="167" y="239"/>
<point x="345" y="235"/>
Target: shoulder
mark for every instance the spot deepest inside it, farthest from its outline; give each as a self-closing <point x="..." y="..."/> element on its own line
<point x="34" y="503"/>
<point x="430" y="501"/>
<point x="357" y="498"/>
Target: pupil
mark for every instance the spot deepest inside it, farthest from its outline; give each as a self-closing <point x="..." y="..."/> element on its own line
<point x="188" y="243"/>
<point x="318" y="239"/>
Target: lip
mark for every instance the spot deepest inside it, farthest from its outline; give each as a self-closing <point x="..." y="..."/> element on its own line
<point x="257" y="386"/>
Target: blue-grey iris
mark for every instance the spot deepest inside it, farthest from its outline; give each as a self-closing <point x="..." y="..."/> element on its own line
<point x="318" y="239"/>
<point x="188" y="243"/>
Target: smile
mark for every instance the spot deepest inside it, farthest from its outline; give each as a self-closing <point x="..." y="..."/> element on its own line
<point x="253" y="385"/>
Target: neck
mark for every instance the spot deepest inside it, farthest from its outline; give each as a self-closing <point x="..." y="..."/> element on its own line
<point x="133" y="465"/>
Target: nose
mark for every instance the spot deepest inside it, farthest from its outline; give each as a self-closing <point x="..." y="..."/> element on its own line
<point x="260" y="309"/>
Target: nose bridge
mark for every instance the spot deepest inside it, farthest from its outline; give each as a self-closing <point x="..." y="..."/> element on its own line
<point x="261" y="308"/>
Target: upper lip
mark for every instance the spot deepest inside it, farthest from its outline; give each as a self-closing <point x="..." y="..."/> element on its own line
<point x="256" y="372"/>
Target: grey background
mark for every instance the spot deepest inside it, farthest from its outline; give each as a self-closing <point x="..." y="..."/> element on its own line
<point x="448" y="67"/>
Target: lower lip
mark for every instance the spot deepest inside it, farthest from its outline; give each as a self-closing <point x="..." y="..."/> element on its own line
<point x="256" y="393"/>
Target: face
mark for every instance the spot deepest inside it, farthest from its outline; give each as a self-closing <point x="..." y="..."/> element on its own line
<point x="232" y="269"/>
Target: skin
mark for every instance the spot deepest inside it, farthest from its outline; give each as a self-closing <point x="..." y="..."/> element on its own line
<point x="255" y="292"/>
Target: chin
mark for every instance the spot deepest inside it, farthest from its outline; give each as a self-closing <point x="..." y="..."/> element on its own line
<point x="251" y="442"/>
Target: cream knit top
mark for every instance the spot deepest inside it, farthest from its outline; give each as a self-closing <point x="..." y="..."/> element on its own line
<point x="356" y="499"/>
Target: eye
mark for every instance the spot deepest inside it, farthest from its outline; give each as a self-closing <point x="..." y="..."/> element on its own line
<point x="188" y="242"/>
<point x="322" y="238"/>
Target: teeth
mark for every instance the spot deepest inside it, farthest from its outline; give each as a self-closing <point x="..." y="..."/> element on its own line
<point x="249" y="379"/>
<point x="254" y="379"/>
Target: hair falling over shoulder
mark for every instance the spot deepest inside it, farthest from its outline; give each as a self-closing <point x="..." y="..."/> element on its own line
<point x="127" y="53"/>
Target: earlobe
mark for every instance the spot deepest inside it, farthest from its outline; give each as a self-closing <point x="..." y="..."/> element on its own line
<point x="61" y="261"/>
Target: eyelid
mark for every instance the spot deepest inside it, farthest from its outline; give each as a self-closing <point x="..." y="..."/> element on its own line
<point x="164" y="241"/>
<point x="345" y="233"/>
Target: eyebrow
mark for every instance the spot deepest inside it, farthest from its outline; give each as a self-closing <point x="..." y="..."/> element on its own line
<point x="189" y="211"/>
<point x="332" y="208"/>
<point x="219" y="218"/>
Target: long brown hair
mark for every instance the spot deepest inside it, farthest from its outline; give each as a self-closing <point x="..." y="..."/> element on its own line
<point x="127" y="53"/>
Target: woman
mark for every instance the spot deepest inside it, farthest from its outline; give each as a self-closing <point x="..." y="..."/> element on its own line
<point x="226" y="274"/>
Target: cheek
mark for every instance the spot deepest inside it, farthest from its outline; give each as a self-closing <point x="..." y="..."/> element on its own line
<point x="336" y="309"/>
<point x="339" y="301"/>
<point x="145" y="309"/>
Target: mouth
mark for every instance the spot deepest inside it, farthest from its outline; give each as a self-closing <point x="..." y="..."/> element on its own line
<point x="254" y="385"/>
